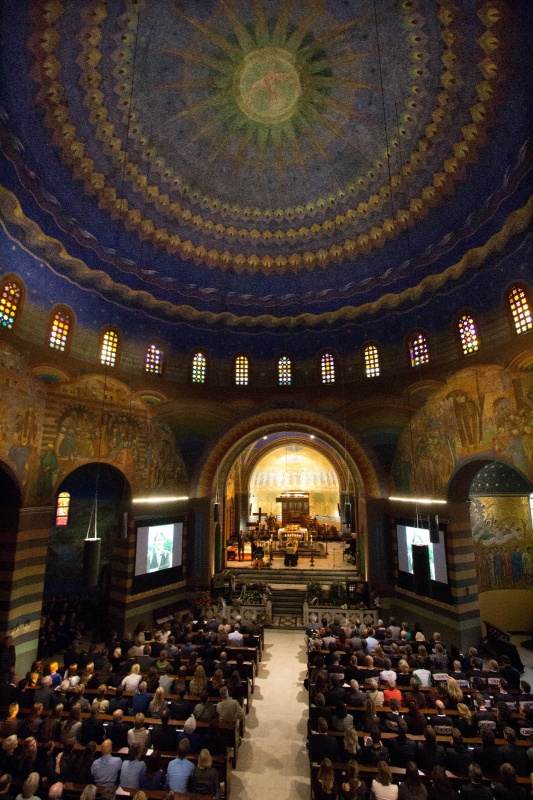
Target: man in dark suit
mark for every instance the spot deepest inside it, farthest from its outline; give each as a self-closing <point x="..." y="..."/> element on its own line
<point x="119" y="701"/>
<point x="117" y="731"/>
<point x="323" y="744"/>
<point x="458" y="757"/>
<point x="158" y="558"/>
<point x="401" y="749"/>
<point x="164" y="736"/>
<point x="475" y="790"/>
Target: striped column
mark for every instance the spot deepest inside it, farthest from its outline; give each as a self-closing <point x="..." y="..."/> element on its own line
<point x="23" y="572"/>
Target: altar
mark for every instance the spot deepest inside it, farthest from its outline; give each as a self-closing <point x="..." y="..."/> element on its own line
<point x="293" y="531"/>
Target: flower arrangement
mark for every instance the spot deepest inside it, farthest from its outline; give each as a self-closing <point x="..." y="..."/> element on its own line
<point x="204" y="600"/>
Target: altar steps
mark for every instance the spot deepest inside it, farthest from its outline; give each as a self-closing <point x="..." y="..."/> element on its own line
<point x="287" y="605"/>
<point x="296" y="577"/>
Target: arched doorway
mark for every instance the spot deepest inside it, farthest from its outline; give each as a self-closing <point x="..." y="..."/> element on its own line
<point x="10" y="504"/>
<point x="65" y="555"/>
<point x="494" y="500"/>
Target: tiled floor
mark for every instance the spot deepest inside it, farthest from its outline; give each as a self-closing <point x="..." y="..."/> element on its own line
<point x="273" y="760"/>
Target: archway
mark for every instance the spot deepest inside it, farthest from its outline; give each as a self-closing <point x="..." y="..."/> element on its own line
<point x="64" y="563"/>
<point x="501" y="537"/>
<point x="10" y="504"/>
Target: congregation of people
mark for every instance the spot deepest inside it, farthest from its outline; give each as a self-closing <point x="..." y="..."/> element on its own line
<point x="149" y="711"/>
<point x="395" y="714"/>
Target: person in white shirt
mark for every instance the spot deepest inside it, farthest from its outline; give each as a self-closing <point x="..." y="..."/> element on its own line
<point x="422" y="674"/>
<point x="235" y="638"/>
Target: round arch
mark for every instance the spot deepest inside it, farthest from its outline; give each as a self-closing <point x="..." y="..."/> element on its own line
<point x="221" y="455"/>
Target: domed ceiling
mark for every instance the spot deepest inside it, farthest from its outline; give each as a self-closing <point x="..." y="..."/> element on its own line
<point x="266" y="165"/>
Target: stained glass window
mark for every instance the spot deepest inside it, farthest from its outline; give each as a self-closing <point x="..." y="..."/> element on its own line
<point x="520" y="310"/>
<point x="154" y="360"/>
<point x="198" y="368"/>
<point x="241" y="371"/>
<point x="62" y="508"/>
<point x="418" y="350"/>
<point x="60" y="329"/>
<point x="371" y="361"/>
<point x="327" y="368"/>
<point x="468" y="334"/>
<point x="9" y="303"/>
<point x="108" y="353"/>
<point x="284" y="371"/>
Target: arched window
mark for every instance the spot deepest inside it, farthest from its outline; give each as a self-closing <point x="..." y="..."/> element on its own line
<point x="241" y="371"/>
<point x="520" y="310"/>
<point x="60" y="328"/>
<point x="10" y="302"/>
<point x="109" y="348"/>
<point x="371" y="361"/>
<point x="284" y="371"/>
<point x="468" y="334"/>
<point x="418" y="349"/>
<point x="327" y="368"/>
<point x="198" y="368"/>
<point x="62" y="508"/>
<point x="154" y="360"/>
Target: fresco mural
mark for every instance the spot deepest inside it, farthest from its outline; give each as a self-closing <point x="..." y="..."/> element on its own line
<point x="295" y="468"/>
<point x="49" y="429"/>
<point x="484" y="410"/>
<point x="21" y="418"/>
<point x="503" y="542"/>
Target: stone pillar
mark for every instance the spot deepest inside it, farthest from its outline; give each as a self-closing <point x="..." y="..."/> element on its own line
<point x="462" y="574"/>
<point x="23" y="573"/>
<point x="200" y="546"/>
<point x="242" y="506"/>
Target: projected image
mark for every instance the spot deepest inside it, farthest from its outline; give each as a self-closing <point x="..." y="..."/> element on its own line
<point x="408" y="536"/>
<point x="419" y="536"/>
<point x="159" y="548"/>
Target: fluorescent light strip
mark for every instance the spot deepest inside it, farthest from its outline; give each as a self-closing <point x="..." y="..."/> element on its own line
<point x="427" y="501"/>
<point x="157" y="499"/>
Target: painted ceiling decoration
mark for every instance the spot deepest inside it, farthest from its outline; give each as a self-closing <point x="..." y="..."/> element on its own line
<point x="269" y="164"/>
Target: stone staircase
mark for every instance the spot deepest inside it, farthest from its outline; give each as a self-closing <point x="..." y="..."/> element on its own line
<point x="287" y="607"/>
<point x="297" y="576"/>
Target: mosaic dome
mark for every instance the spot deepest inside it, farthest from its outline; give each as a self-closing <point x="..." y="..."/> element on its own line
<point x="269" y="165"/>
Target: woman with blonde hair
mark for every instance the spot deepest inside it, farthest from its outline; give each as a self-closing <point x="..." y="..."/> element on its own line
<point x="100" y="702"/>
<point x="198" y="682"/>
<point x="71" y="727"/>
<point x="89" y="792"/>
<point x="403" y="676"/>
<point x="353" y="788"/>
<point x="350" y="744"/>
<point x="455" y="693"/>
<point x="139" y="733"/>
<point x="325" y="786"/>
<point x="157" y="704"/>
<point x="464" y="722"/>
<point x="382" y="786"/>
<point x="204" y="779"/>
<point x="29" y="787"/>
<point x="131" y="682"/>
<point x="374" y="692"/>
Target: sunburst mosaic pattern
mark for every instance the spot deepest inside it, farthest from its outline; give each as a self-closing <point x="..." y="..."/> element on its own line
<point x="271" y="135"/>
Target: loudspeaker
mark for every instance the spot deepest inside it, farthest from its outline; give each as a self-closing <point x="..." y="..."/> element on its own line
<point x="347" y="513"/>
<point x="91" y="562"/>
<point x="421" y="575"/>
<point x="216" y="512"/>
<point x="125" y="522"/>
<point x="339" y="508"/>
<point x="434" y="529"/>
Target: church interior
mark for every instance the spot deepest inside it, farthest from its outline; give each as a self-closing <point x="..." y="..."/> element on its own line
<point x="266" y="267"/>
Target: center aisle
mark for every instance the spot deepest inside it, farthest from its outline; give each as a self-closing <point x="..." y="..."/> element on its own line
<point x="273" y="759"/>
